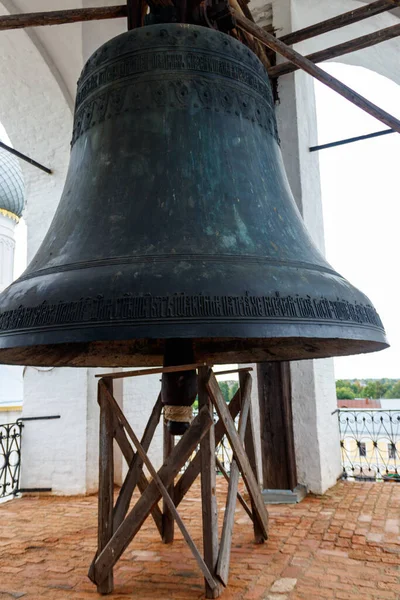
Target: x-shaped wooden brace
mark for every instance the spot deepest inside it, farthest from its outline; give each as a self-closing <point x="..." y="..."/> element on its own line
<point x="116" y="530"/>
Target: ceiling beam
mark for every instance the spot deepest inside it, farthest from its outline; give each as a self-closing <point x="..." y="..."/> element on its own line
<point x="312" y="69"/>
<point x="347" y="18"/>
<point x="365" y="41"/>
<point x="61" y="17"/>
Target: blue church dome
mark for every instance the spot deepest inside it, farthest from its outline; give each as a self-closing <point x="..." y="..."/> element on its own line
<point x="12" y="193"/>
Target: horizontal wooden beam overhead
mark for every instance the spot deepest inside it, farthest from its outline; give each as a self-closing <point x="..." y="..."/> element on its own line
<point x="61" y="17"/>
<point x="347" y="18"/>
<point x="312" y="69"/>
<point x="365" y="41"/>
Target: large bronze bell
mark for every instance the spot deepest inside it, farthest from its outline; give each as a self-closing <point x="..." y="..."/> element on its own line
<point x="177" y="221"/>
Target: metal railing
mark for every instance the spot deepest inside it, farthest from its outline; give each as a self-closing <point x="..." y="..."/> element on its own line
<point x="370" y="444"/>
<point x="10" y="458"/>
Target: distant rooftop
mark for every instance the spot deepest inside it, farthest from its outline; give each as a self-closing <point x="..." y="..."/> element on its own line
<point x="369" y="403"/>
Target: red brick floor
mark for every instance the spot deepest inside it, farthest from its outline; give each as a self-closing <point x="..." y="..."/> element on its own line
<point x="344" y="545"/>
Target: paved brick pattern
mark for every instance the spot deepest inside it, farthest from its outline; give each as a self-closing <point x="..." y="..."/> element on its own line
<point x="343" y="545"/>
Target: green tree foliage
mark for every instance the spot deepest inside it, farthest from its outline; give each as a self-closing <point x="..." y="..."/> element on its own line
<point x="368" y="388"/>
<point x="228" y="389"/>
<point x="394" y="391"/>
<point x="345" y="393"/>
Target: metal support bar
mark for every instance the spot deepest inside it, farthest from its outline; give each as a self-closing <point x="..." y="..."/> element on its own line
<point x="25" y="158"/>
<point x="32" y="490"/>
<point x="39" y="418"/>
<point x="358" y="138"/>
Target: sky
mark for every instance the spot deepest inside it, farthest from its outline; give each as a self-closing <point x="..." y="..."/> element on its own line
<point x="361" y="206"/>
<point x="360" y="195"/>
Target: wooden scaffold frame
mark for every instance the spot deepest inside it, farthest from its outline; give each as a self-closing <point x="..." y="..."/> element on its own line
<point x="117" y="525"/>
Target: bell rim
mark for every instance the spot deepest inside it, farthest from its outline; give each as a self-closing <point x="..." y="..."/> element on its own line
<point x="107" y="346"/>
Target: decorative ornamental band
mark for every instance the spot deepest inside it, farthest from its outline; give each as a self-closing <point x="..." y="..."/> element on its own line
<point x="171" y="62"/>
<point x="132" y="309"/>
<point x="175" y="93"/>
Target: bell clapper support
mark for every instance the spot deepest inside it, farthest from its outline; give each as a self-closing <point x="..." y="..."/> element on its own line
<point x="117" y="527"/>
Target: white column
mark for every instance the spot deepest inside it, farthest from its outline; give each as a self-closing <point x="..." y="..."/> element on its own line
<point x="7" y="248"/>
<point x="313" y="386"/>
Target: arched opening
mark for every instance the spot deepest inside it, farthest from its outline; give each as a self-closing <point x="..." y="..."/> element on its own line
<point x="12" y="262"/>
<point x="360" y="202"/>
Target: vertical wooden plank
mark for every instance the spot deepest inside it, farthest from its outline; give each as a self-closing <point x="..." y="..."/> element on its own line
<point x="150" y="497"/>
<point x="224" y="555"/>
<point x="288" y="423"/>
<point x="208" y="488"/>
<point x="260" y="512"/>
<point x="259" y="536"/>
<point x="277" y="441"/>
<point x="106" y="480"/>
<point x="167" y="517"/>
<point x="135" y="13"/>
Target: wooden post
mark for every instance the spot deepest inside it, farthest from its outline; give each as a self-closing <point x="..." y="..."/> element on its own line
<point x="229" y="516"/>
<point x="208" y="488"/>
<point x="277" y="439"/>
<point x="260" y="512"/>
<point x="152" y="495"/>
<point x="135" y="13"/>
<point x="259" y="536"/>
<point x="106" y="480"/>
<point x="168" y="519"/>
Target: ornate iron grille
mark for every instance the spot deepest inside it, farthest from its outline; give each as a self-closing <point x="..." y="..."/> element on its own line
<point x="10" y="458"/>
<point x="370" y="444"/>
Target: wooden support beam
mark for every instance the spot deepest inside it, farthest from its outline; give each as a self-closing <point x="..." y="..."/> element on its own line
<point x="163" y="490"/>
<point x="242" y="501"/>
<point x="193" y="470"/>
<point x="240" y="455"/>
<point x="309" y="67"/>
<point x="229" y="516"/>
<point x="168" y="518"/>
<point x="347" y="18"/>
<point x="259" y="537"/>
<point x="208" y="488"/>
<point x="135" y="464"/>
<point x="277" y="438"/>
<point x="134" y="520"/>
<point x="61" y="17"/>
<point x="240" y="370"/>
<point x="359" y="43"/>
<point x="127" y="450"/>
<point x="135" y="13"/>
<point x="106" y="480"/>
<point x="153" y="371"/>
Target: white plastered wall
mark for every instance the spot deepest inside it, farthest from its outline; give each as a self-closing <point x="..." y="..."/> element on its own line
<point x="7" y="248"/>
<point x="38" y="121"/>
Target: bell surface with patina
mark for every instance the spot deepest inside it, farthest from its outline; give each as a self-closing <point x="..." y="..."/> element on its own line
<point x="177" y="221"/>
